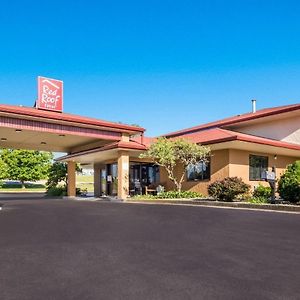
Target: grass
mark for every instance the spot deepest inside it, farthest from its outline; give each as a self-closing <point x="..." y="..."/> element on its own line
<point x="6" y="187"/>
<point x="19" y="190"/>
<point x="82" y="181"/>
<point x="84" y="178"/>
<point x="88" y="186"/>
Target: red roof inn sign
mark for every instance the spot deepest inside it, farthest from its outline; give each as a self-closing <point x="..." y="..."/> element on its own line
<point x="50" y="94"/>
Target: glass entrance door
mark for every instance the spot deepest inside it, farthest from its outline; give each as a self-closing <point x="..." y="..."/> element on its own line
<point x="112" y="179"/>
<point x="103" y="181"/>
<point x="142" y="175"/>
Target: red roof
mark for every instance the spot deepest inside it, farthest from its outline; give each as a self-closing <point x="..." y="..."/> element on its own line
<point x="218" y="135"/>
<point x="124" y="145"/>
<point x="33" y="112"/>
<point x="146" y="141"/>
<point x="238" y="119"/>
<point x="116" y="145"/>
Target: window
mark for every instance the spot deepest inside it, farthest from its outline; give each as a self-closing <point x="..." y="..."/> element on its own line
<point x="257" y="164"/>
<point x="200" y="171"/>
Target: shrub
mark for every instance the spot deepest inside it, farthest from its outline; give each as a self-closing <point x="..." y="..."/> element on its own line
<point x="289" y="183"/>
<point x="258" y="200"/>
<point x="177" y="195"/>
<point x="17" y="185"/>
<point x="228" y="189"/>
<point x="170" y="195"/>
<point x="144" y="197"/>
<point x="60" y="190"/>
<point x="57" y="191"/>
<point x="262" y="192"/>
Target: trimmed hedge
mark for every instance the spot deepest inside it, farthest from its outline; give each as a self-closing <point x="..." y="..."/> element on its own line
<point x="16" y="185"/>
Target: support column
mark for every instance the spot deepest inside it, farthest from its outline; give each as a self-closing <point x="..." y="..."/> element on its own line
<point x="97" y="179"/>
<point x="123" y="174"/>
<point x="71" y="179"/>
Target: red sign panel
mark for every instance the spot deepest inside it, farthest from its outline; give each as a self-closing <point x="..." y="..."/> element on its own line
<point x="50" y="94"/>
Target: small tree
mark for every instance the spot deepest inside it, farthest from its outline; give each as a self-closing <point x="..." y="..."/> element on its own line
<point x="289" y="183"/>
<point x="168" y="153"/>
<point x="26" y="165"/>
<point x="58" y="172"/>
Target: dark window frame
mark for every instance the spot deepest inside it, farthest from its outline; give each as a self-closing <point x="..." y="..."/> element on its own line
<point x="205" y="175"/>
<point x="257" y="164"/>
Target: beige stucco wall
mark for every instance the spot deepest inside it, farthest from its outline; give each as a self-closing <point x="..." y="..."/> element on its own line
<point x="230" y="162"/>
<point x="287" y="130"/>
<point x="219" y="170"/>
<point x="239" y="165"/>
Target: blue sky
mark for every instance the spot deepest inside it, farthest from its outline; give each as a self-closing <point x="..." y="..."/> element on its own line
<point x="164" y="65"/>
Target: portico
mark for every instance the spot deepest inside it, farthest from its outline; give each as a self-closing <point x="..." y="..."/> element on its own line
<point x="85" y="140"/>
<point x="111" y="165"/>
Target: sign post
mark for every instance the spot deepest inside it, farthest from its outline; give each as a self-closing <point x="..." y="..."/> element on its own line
<point x="50" y="94"/>
<point x="270" y="177"/>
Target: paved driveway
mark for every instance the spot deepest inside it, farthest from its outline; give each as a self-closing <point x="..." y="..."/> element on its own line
<point x="62" y="249"/>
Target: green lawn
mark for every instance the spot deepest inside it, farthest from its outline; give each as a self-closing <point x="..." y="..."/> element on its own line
<point x="20" y="190"/>
<point x="88" y="186"/>
<point x="82" y="182"/>
<point x="85" y="178"/>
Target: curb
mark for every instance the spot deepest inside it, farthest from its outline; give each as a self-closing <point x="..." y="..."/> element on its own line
<point x="238" y="205"/>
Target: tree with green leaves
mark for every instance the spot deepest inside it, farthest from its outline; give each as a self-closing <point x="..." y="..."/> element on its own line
<point x="3" y="170"/>
<point x="25" y="165"/>
<point x="289" y="183"/>
<point x="169" y="153"/>
<point x="58" y="173"/>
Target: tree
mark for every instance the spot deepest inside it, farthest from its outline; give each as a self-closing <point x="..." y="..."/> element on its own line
<point x="168" y="153"/>
<point x="26" y="165"/>
<point x="3" y="170"/>
<point x="58" y="172"/>
<point x="289" y="183"/>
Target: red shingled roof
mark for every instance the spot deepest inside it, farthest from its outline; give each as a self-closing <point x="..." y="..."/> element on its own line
<point x="238" y="119"/>
<point x="124" y="145"/>
<point x="33" y="112"/>
<point x="218" y="135"/>
<point x="116" y="145"/>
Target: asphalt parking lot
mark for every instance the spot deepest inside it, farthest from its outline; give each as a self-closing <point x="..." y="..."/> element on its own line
<point x="64" y="249"/>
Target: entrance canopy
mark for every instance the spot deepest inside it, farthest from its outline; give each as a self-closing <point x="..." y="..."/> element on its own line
<point x="105" y="153"/>
<point x="31" y="128"/>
